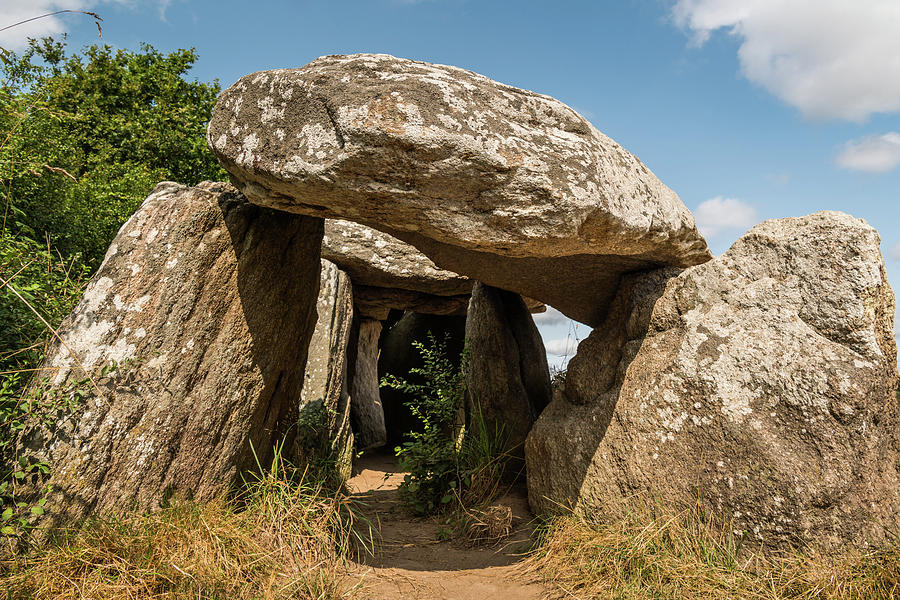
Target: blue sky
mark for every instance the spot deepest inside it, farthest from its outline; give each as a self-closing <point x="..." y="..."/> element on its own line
<point x="748" y="110"/>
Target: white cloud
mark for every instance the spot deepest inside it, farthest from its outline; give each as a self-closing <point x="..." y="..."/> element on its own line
<point x="561" y="347"/>
<point x="829" y="58"/>
<point x="875" y="154"/>
<point x="550" y="317"/>
<point x="718" y="214"/>
<point x="14" y="11"/>
<point x="163" y="7"/>
<point x="895" y="254"/>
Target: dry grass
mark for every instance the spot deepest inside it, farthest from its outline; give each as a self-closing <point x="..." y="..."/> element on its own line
<point x="488" y="527"/>
<point x="280" y="540"/>
<point x="643" y="555"/>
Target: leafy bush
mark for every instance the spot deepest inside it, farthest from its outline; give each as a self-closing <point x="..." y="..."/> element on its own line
<point x="87" y="135"/>
<point x="447" y="462"/>
<point x="34" y="278"/>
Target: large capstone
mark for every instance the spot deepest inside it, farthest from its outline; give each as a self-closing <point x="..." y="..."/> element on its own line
<point x="761" y="383"/>
<point x="206" y="304"/>
<point x="374" y="259"/>
<point x="503" y="185"/>
<point x="324" y="426"/>
<point x="507" y="376"/>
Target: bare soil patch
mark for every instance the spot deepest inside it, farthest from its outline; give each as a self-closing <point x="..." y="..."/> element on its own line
<point x="414" y="560"/>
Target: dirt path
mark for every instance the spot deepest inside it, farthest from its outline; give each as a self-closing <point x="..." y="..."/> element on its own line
<point x="411" y="562"/>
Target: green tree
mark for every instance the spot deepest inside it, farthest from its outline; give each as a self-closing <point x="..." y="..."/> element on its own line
<point x="84" y="137"/>
<point x="87" y="135"/>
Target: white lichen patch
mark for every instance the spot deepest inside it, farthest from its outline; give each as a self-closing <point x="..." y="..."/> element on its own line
<point x="136" y="306"/>
<point x="317" y="137"/>
<point x="248" y="146"/>
<point x="270" y="111"/>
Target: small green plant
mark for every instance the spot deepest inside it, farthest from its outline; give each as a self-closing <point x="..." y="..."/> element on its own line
<point x="448" y="463"/>
<point x="23" y="493"/>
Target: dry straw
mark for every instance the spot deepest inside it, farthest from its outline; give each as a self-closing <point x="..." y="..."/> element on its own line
<point x="646" y="552"/>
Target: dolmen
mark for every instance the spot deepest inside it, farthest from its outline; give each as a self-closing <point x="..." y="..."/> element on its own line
<point x="248" y="316"/>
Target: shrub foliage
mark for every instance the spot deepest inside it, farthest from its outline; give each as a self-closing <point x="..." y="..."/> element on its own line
<point x="84" y="137"/>
<point x="450" y="462"/>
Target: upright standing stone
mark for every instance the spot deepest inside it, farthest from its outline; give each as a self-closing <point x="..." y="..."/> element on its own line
<point x="763" y="382"/>
<point x="324" y="425"/>
<point x="367" y="411"/>
<point x="207" y="304"/>
<point x="507" y="379"/>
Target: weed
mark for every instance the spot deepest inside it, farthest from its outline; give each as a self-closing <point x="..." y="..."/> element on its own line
<point x="647" y="552"/>
<point x="23" y="493"/>
<point x="284" y="537"/>
<point x="450" y="464"/>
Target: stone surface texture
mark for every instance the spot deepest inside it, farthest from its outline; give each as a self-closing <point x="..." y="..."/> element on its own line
<point x="507" y="377"/>
<point x="376" y="302"/>
<point x="375" y="259"/>
<point x="324" y="426"/>
<point x="762" y="382"/>
<point x="503" y="185"/>
<point x="207" y="304"/>
<point x="366" y="409"/>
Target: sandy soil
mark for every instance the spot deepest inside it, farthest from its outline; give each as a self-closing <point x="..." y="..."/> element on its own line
<point x="411" y="561"/>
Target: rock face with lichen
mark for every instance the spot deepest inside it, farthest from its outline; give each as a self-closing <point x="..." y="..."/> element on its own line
<point x="507" y="376"/>
<point x="210" y="331"/>
<point x="762" y="382"/>
<point x="375" y="259"/>
<point x="389" y="274"/>
<point x="324" y="423"/>
<point x="503" y="185"/>
<point x="368" y="414"/>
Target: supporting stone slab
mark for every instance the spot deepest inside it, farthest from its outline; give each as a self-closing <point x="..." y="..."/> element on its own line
<point x="367" y="411"/>
<point x="207" y="304"/>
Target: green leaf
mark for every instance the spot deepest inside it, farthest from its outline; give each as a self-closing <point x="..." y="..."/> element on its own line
<point x="7" y="514"/>
<point x="7" y="530"/>
<point x="37" y="510"/>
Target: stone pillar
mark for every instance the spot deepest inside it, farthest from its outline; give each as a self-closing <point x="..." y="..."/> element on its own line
<point x="324" y="423"/>
<point x="508" y="379"/>
<point x="207" y="305"/>
<point x="365" y="400"/>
